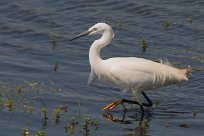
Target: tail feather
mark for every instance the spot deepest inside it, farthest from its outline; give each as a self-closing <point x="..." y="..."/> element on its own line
<point x="185" y="72"/>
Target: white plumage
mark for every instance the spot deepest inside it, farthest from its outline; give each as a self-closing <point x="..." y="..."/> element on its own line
<point x="129" y="73"/>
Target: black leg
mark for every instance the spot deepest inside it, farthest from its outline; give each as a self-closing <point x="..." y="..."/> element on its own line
<point x="149" y="104"/>
<point x="141" y="106"/>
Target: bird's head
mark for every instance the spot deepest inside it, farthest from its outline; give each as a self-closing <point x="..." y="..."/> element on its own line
<point x="98" y="28"/>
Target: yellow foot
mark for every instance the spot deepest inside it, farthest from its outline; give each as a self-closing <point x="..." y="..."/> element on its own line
<point x="112" y="105"/>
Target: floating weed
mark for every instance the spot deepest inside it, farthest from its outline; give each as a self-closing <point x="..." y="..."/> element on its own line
<point x="73" y="121"/>
<point x="144" y="44"/>
<point x="57" y="112"/>
<point x="166" y="24"/>
<point x="198" y="58"/>
<point x="25" y="132"/>
<point x="53" y="40"/>
<point x="71" y="126"/>
<point x="32" y="84"/>
<point x="44" y="116"/>
<point x="142" y="129"/>
<point x="190" y="20"/>
<point x="194" y="113"/>
<point x="167" y="125"/>
<point x="19" y="89"/>
<point x="119" y="23"/>
<point x="184" y="125"/>
<point x="146" y="123"/>
<point x="27" y="110"/>
<point x="9" y="105"/>
<point x="56" y="66"/>
<point x="44" y="113"/>
<point x="86" y="124"/>
<point x="157" y="102"/>
<point x="95" y="124"/>
<point x="64" y="107"/>
<point x="40" y="133"/>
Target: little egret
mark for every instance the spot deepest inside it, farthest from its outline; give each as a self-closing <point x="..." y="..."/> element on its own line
<point x="128" y="73"/>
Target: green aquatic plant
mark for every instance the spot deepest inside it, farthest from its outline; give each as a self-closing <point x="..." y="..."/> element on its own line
<point x="40" y="133"/>
<point x="190" y="20"/>
<point x="144" y="44"/>
<point x="166" y="24"/>
<point x="71" y="126"/>
<point x="157" y="102"/>
<point x="95" y="124"/>
<point x="44" y="113"/>
<point x="194" y="113"/>
<point x="25" y="132"/>
<point x="73" y="121"/>
<point x="27" y="109"/>
<point x="57" y="112"/>
<point x="86" y="124"/>
<point x="184" y="125"/>
<point x="167" y="125"/>
<point x="119" y="23"/>
<point x="9" y="104"/>
<point x="146" y="123"/>
<point x="18" y="89"/>
<point x="64" y="107"/>
<point x="56" y="66"/>
<point x="142" y="128"/>
<point x="53" y="40"/>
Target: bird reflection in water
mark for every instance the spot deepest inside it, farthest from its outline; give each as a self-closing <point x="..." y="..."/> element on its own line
<point x="140" y="130"/>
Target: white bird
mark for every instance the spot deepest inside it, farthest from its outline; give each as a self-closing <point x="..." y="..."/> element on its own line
<point x="128" y="73"/>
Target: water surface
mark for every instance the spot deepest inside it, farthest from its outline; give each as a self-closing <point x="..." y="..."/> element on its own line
<point x="27" y="55"/>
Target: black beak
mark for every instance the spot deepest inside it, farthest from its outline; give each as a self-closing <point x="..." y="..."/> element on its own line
<point x="80" y="35"/>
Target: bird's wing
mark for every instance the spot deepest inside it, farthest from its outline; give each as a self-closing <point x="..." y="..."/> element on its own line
<point x="142" y="72"/>
<point x="133" y="71"/>
<point x="134" y="64"/>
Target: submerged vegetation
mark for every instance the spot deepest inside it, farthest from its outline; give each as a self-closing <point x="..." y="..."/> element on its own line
<point x="166" y="24"/>
<point x="119" y="23"/>
<point x="54" y="40"/>
<point x="190" y="20"/>
<point x="22" y="98"/>
<point x="144" y="44"/>
<point x="14" y="99"/>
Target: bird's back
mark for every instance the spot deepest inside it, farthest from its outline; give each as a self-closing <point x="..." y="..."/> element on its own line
<point x="137" y="73"/>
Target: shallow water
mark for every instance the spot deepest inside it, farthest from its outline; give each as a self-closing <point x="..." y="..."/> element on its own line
<point x="27" y="54"/>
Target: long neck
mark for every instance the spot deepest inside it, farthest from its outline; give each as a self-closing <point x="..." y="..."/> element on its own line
<point x="97" y="45"/>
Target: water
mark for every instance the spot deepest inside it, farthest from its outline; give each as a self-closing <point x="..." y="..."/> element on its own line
<point x="26" y="55"/>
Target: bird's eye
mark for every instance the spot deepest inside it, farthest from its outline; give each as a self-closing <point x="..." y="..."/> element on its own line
<point x="94" y="29"/>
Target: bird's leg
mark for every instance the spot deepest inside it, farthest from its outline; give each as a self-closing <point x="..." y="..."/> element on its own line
<point x="122" y="101"/>
<point x="149" y="104"/>
<point x="114" y="104"/>
<point x="117" y="102"/>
